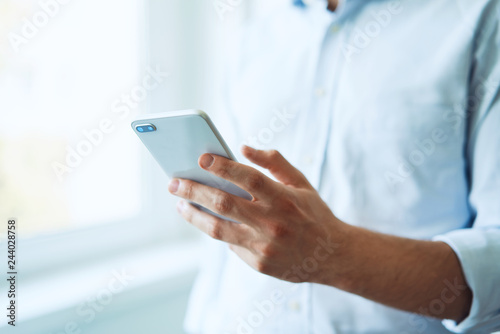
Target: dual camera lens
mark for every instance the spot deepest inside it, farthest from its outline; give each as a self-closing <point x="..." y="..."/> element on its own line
<point x="145" y="128"/>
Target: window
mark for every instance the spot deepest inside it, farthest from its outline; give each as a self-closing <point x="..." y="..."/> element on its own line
<point x="72" y="77"/>
<point x="87" y="196"/>
<point x="66" y="160"/>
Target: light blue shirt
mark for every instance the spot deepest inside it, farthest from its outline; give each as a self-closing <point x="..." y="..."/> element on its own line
<point x="391" y="109"/>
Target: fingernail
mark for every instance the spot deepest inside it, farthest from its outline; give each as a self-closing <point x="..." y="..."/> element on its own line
<point x="206" y="161"/>
<point x="173" y="186"/>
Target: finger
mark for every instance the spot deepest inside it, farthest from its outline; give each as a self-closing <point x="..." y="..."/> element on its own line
<point x="214" y="227"/>
<point x="216" y="200"/>
<point x="273" y="161"/>
<point x="247" y="178"/>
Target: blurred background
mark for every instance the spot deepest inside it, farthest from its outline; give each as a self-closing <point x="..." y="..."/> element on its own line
<point x="100" y="247"/>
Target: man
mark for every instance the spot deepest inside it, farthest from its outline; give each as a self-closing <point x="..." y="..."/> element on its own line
<point x="384" y="212"/>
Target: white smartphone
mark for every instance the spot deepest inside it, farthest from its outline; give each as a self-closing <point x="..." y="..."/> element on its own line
<point x="177" y="139"/>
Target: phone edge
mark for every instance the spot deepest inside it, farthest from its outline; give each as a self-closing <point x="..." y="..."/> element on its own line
<point x="189" y="112"/>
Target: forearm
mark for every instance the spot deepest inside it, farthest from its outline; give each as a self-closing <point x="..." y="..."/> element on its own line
<point x="413" y="275"/>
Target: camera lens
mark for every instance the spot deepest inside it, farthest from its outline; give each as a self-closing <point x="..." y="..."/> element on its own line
<point x="143" y="128"/>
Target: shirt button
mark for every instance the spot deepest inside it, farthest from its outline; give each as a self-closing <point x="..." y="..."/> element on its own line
<point x="294" y="305"/>
<point x="319" y="92"/>
<point x="334" y="29"/>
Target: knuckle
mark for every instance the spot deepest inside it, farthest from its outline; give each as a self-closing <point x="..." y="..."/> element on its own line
<point x="188" y="189"/>
<point x="262" y="266"/>
<point x="274" y="154"/>
<point x="223" y="203"/>
<point x="267" y="251"/>
<point x="223" y="171"/>
<point x="215" y="230"/>
<point x="255" y="181"/>
<point x="278" y="230"/>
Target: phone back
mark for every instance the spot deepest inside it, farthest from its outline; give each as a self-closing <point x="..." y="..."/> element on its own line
<point x="178" y="141"/>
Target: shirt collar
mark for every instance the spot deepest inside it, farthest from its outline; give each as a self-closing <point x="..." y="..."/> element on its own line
<point x="299" y="3"/>
<point x="305" y="3"/>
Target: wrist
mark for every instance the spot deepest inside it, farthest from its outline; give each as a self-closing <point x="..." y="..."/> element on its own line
<point x="337" y="269"/>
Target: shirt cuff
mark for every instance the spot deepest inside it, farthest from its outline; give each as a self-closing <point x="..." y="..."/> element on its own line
<point x="478" y="251"/>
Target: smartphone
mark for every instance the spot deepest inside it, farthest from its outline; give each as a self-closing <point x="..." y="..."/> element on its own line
<point x="177" y="139"/>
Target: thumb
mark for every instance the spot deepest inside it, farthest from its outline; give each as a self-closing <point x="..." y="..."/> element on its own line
<point x="279" y="167"/>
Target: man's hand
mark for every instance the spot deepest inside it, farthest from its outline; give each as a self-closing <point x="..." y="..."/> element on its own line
<point x="286" y="225"/>
<point x="287" y="231"/>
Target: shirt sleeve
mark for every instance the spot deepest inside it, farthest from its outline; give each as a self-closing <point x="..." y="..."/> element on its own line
<point x="478" y="247"/>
